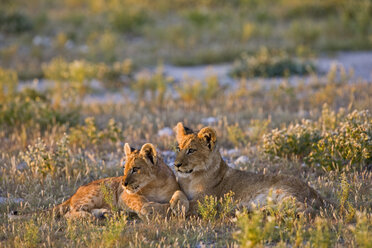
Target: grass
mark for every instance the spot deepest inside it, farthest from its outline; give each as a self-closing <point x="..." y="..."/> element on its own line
<point x="52" y="140"/>
<point x="44" y="162"/>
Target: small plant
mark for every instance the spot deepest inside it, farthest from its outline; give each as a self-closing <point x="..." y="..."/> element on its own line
<point x="108" y="196"/>
<point x="270" y="64"/>
<point x="153" y="84"/>
<point x="320" y="236"/>
<point x="70" y="78"/>
<point x="363" y="229"/>
<point x="211" y="209"/>
<point x="31" y="236"/>
<point x="89" y="133"/>
<point x="198" y="91"/>
<point x="8" y="83"/>
<point x="112" y="231"/>
<point x="46" y="161"/>
<point x="128" y="20"/>
<point x="254" y="229"/>
<point x="236" y="135"/>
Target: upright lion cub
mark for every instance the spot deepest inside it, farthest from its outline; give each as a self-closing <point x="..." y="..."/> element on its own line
<point x="148" y="186"/>
<point x="201" y="171"/>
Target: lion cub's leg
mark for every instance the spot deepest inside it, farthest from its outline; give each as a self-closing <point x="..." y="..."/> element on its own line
<point x="76" y="214"/>
<point x="179" y="203"/>
<point x="142" y="206"/>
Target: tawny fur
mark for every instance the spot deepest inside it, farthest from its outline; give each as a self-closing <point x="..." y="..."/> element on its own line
<point x="203" y="172"/>
<point x="150" y="187"/>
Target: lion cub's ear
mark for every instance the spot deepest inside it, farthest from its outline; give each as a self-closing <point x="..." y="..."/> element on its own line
<point x="209" y="136"/>
<point x="148" y="151"/>
<point x="180" y="132"/>
<point x="127" y="149"/>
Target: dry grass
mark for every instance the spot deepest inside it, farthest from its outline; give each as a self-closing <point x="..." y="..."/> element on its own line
<point x="46" y="171"/>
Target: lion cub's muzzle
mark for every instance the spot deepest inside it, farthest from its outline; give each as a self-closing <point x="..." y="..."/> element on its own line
<point x="178" y="167"/>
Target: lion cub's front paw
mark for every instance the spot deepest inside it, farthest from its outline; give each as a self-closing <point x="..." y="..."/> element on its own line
<point x="179" y="203"/>
<point x="151" y="209"/>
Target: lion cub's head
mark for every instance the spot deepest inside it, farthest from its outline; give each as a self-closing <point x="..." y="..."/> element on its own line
<point x="140" y="167"/>
<point x="195" y="150"/>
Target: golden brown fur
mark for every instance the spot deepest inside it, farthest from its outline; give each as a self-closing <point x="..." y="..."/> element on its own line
<point x="148" y="186"/>
<point x="201" y="171"/>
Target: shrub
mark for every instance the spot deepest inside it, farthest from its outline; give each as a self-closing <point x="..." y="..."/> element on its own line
<point x="31" y="108"/>
<point x="8" y="83"/>
<point x="236" y="135"/>
<point x="197" y="91"/>
<point x="31" y="236"/>
<point x="270" y="64"/>
<point x="116" y="75"/>
<point x="332" y="142"/>
<point x="154" y="84"/>
<point x="89" y="133"/>
<point x="128" y="20"/>
<point x="294" y="140"/>
<point x="350" y="143"/>
<point x="14" y="22"/>
<point x="43" y="160"/>
<point x="73" y="76"/>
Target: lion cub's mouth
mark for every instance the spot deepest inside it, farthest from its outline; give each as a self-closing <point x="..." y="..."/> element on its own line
<point x="131" y="189"/>
<point x="185" y="172"/>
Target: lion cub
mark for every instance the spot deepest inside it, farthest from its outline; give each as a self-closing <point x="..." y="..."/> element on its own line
<point x="148" y="186"/>
<point x="201" y="171"/>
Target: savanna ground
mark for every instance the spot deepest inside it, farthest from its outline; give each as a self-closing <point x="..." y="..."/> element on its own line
<point x="93" y="93"/>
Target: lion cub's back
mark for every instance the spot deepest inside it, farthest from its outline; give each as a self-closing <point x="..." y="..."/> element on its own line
<point x="94" y="193"/>
<point x="255" y="188"/>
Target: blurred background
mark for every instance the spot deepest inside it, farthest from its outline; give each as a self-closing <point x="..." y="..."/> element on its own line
<point x="182" y="32"/>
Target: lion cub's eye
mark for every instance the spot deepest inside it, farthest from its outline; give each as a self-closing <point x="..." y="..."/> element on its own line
<point x="189" y="151"/>
<point x="135" y="169"/>
<point x="178" y="149"/>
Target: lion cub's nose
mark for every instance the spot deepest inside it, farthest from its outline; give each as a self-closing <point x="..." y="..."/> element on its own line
<point x="177" y="164"/>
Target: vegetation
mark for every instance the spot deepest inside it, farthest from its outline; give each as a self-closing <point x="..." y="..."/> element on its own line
<point x="181" y="32"/>
<point x="270" y="64"/>
<point x="67" y="127"/>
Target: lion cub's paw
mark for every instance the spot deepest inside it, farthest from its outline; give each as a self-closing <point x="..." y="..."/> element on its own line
<point x="179" y="203"/>
<point x="151" y="209"/>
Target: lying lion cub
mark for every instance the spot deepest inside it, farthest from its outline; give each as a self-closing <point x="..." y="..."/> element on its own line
<point x="148" y="186"/>
<point x="201" y="171"/>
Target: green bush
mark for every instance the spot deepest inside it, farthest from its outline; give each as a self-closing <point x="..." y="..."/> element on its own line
<point x="350" y="143"/>
<point x="128" y="20"/>
<point x="295" y="140"/>
<point x="198" y="91"/>
<point x="14" y="22"/>
<point x="30" y="108"/>
<point x="332" y="142"/>
<point x="43" y="160"/>
<point x="270" y="64"/>
<point x="155" y="84"/>
<point x="8" y="83"/>
<point x="89" y="133"/>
